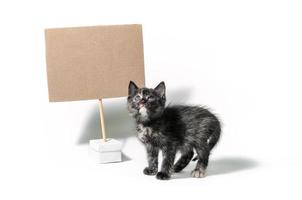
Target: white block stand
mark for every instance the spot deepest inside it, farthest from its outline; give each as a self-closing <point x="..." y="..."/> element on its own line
<point x="106" y="150"/>
<point x="109" y="151"/>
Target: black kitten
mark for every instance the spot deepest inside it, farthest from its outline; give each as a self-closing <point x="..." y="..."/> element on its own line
<point x="172" y="129"/>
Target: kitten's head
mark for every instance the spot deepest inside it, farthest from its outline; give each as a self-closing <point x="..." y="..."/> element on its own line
<point x="146" y="103"/>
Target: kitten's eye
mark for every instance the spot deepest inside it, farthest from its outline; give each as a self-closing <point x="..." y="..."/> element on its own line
<point x="151" y="98"/>
<point x="137" y="98"/>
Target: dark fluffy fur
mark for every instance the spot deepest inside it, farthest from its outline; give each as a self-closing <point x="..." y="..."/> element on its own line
<point x="170" y="129"/>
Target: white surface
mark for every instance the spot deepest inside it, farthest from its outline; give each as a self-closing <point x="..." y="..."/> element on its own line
<point x="105" y="157"/>
<point x="101" y="146"/>
<point x="241" y="58"/>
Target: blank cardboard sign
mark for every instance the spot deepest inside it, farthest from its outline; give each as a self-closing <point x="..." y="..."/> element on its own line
<point x="93" y="62"/>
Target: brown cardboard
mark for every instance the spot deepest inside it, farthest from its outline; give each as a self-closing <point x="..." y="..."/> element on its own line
<point x="93" y="62"/>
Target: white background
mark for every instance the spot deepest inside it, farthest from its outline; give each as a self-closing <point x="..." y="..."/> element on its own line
<point x="241" y="58"/>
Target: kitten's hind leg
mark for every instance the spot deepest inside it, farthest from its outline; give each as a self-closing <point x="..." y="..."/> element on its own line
<point x="202" y="163"/>
<point x="183" y="161"/>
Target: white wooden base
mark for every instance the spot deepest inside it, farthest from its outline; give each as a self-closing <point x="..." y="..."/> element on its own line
<point x="106" y="152"/>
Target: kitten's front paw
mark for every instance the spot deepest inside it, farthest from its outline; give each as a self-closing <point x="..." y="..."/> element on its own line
<point x="198" y="173"/>
<point x="150" y="171"/>
<point x="177" y="168"/>
<point x="162" y="176"/>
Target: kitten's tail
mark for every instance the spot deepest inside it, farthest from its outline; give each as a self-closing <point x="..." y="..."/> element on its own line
<point x="213" y="139"/>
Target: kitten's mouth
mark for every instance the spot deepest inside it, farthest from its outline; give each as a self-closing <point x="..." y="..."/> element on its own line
<point x="141" y="103"/>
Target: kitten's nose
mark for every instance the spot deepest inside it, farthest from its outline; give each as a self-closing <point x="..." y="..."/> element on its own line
<point x="143" y="101"/>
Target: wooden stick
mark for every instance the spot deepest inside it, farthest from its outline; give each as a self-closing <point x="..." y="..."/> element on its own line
<point x="102" y="120"/>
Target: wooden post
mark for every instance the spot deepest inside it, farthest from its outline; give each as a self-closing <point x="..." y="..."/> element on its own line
<point x="102" y="120"/>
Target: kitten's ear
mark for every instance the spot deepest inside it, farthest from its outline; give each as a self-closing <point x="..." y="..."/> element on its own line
<point x="161" y="89"/>
<point x="132" y="88"/>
